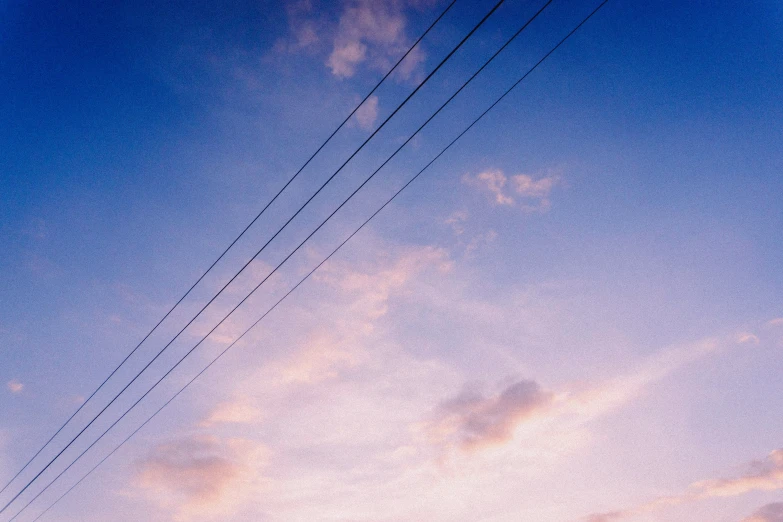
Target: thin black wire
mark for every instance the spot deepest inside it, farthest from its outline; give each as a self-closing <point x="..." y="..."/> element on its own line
<point x="454" y="50"/>
<point x="232" y="243"/>
<point x="306" y="277"/>
<point x="327" y="219"/>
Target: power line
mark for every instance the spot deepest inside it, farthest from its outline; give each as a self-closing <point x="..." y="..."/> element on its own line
<point x="306" y="163"/>
<point x="443" y="61"/>
<point x="328" y="217"/>
<point x="306" y="277"/>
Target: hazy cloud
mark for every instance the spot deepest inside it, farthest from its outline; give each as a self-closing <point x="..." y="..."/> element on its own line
<point x="367" y="113"/>
<point x="747" y="338"/>
<point x="765" y="475"/>
<point x="769" y="513"/>
<point x="305" y="29"/>
<point x="369" y="288"/>
<point x="14" y="386"/>
<point x="457" y="221"/>
<point x="471" y="420"/>
<point x="605" y="517"/>
<point x="198" y="475"/>
<point x="239" y="411"/>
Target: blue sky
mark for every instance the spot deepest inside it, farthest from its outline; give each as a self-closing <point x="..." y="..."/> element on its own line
<point x="579" y="301"/>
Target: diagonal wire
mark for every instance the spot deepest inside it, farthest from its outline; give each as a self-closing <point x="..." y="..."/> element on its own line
<point x="323" y="222"/>
<point x="306" y="277"/>
<point x="306" y="163"/>
<point x="448" y="56"/>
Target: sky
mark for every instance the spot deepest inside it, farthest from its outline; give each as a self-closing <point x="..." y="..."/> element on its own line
<point x="573" y="315"/>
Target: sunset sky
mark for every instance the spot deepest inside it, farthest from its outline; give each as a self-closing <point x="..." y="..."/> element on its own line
<point x="574" y="315"/>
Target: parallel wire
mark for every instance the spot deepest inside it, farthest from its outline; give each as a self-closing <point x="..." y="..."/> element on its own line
<point x="301" y="281"/>
<point x="451" y="53"/>
<point x="306" y="277"/>
<point x="306" y="163"/>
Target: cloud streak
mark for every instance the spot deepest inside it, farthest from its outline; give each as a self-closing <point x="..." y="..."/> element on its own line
<point x="765" y="475"/>
<point x="768" y="513"/>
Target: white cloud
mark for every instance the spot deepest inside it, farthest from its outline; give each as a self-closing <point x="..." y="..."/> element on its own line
<point x="367" y="113"/>
<point x="367" y="30"/>
<point x="345" y="57"/>
<point x="531" y="194"/>
<point x="369" y="33"/>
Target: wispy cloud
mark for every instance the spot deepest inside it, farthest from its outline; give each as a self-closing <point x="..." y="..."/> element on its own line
<point x="471" y="420"/>
<point x="369" y="288"/>
<point x="367" y="113"/>
<point x="768" y="513"/>
<point x="765" y="475"/>
<point x="237" y="411"/>
<point x="529" y="193"/>
<point x="14" y="386"/>
<point x="200" y="475"/>
<point x="456" y="221"/>
<point x="747" y="338"/>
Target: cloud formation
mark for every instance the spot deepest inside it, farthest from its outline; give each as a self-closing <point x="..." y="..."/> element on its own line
<point x="765" y="475"/>
<point x="368" y="290"/>
<point x="368" y="33"/>
<point x="199" y="475"/>
<point x="14" y="386"/>
<point x="239" y="411"/>
<point x="370" y="30"/>
<point x="769" y="513"/>
<point x="471" y="421"/>
<point x="529" y="193"/>
<point x="367" y="113"/>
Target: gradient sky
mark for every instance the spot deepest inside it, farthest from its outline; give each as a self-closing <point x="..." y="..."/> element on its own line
<point x="574" y="315"/>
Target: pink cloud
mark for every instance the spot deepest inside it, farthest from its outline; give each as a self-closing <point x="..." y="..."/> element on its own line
<point x="766" y="475"/>
<point x="471" y="420"/>
<point x="367" y="30"/>
<point x="239" y="411"/>
<point x="368" y="289"/>
<point x="769" y="513"/>
<point x="15" y="386"/>
<point x="200" y="475"/>
<point x="531" y="194"/>
<point x="368" y="33"/>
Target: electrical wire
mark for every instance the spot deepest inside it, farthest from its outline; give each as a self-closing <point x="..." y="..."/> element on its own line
<point x="306" y="277"/>
<point x="448" y="56"/>
<point x="306" y="163"/>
